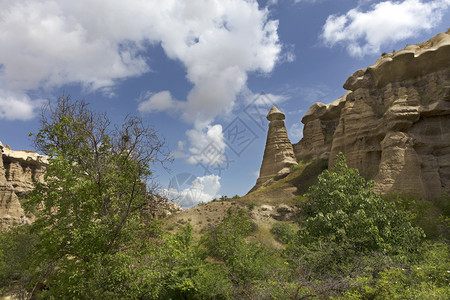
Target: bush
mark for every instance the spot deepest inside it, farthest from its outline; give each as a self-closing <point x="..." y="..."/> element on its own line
<point x="427" y="278"/>
<point x="349" y="235"/>
<point x="284" y="232"/>
<point x="431" y="216"/>
<point x="343" y="208"/>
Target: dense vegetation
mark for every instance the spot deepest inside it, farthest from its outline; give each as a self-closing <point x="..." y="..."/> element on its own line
<point x="91" y="239"/>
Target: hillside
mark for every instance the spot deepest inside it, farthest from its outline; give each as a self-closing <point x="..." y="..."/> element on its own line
<point x="393" y="125"/>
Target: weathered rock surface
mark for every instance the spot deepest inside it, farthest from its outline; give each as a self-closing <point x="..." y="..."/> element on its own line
<point x="393" y="124"/>
<point x="18" y="171"/>
<point x="320" y="122"/>
<point x="161" y="207"/>
<point x="279" y="153"/>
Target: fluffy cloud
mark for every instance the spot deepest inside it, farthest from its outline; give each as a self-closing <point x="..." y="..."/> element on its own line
<point x="296" y="132"/>
<point x="189" y="191"/>
<point x="162" y="101"/>
<point x="219" y="42"/>
<point x="386" y="23"/>
<point x="15" y="106"/>
<point x="207" y="145"/>
<point x="46" y="44"/>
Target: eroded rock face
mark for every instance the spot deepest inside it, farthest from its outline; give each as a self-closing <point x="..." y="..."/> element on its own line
<point x="320" y="123"/>
<point x="279" y="153"/>
<point x="18" y="171"/>
<point x="394" y="123"/>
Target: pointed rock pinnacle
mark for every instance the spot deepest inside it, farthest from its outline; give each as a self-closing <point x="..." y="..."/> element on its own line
<point x="279" y="153"/>
<point x="275" y="114"/>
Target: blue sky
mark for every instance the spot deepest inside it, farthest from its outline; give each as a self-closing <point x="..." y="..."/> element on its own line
<point x="202" y="72"/>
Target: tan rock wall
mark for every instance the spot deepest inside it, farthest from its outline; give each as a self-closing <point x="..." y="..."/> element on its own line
<point x="394" y="124"/>
<point x="18" y="170"/>
<point x="320" y="123"/>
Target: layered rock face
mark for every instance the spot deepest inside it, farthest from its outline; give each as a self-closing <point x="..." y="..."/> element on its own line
<point x="18" y="171"/>
<point x="279" y="153"/>
<point x="393" y="124"/>
<point x="320" y="123"/>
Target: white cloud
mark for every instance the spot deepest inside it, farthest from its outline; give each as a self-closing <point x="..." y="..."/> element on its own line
<point x="289" y="56"/>
<point x="159" y="102"/>
<point x="296" y="132"/>
<point x="15" y="106"/>
<point x="262" y="99"/>
<point x="201" y="189"/>
<point x="219" y="43"/>
<point x="386" y="23"/>
<point x="180" y="152"/>
<point x="207" y="145"/>
<point x="46" y="44"/>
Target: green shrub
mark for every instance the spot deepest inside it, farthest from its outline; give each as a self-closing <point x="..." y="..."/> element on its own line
<point x="284" y="232"/>
<point x="343" y="208"/>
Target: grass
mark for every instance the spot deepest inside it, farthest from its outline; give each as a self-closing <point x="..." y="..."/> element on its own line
<point x="297" y="170"/>
<point x="308" y="175"/>
<point x="288" y="190"/>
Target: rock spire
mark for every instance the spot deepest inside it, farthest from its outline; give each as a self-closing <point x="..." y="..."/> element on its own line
<point x="279" y="153"/>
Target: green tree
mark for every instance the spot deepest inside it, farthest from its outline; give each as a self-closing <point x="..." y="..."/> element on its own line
<point x="347" y="231"/>
<point x="343" y="208"/>
<point x="89" y="209"/>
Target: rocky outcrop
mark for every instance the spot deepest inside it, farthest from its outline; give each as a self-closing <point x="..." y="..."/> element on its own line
<point x="18" y="171"/>
<point x="160" y="207"/>
<point x="279" y="153"/>
<point x="393" y="124"/>
<point x="320" y="123"/>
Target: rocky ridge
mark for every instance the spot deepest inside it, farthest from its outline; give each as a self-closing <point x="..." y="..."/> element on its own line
<point x="394" y="123"/>
<point x="18" y="171"/>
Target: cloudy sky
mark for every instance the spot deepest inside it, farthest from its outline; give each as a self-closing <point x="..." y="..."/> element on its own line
<point x="203" y="72"/>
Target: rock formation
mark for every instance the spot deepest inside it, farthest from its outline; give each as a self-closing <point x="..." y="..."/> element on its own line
<point x="278" y="154"/>
<point x="393" y="124"/>
<point x="18" y="171"/>
<point x="320" y="122"/>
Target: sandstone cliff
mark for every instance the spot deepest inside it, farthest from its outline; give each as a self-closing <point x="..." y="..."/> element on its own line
<point x="393" y="124"/>
<point x="18" y="171"/>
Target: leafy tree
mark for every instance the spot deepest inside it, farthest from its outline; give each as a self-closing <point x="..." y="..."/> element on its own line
<point x="343" y="208"/>
<point x="89" y="209"/>
<point x="347" y="231"/>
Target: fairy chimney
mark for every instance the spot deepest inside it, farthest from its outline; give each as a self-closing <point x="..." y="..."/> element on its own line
<point x="279" y="153"/>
